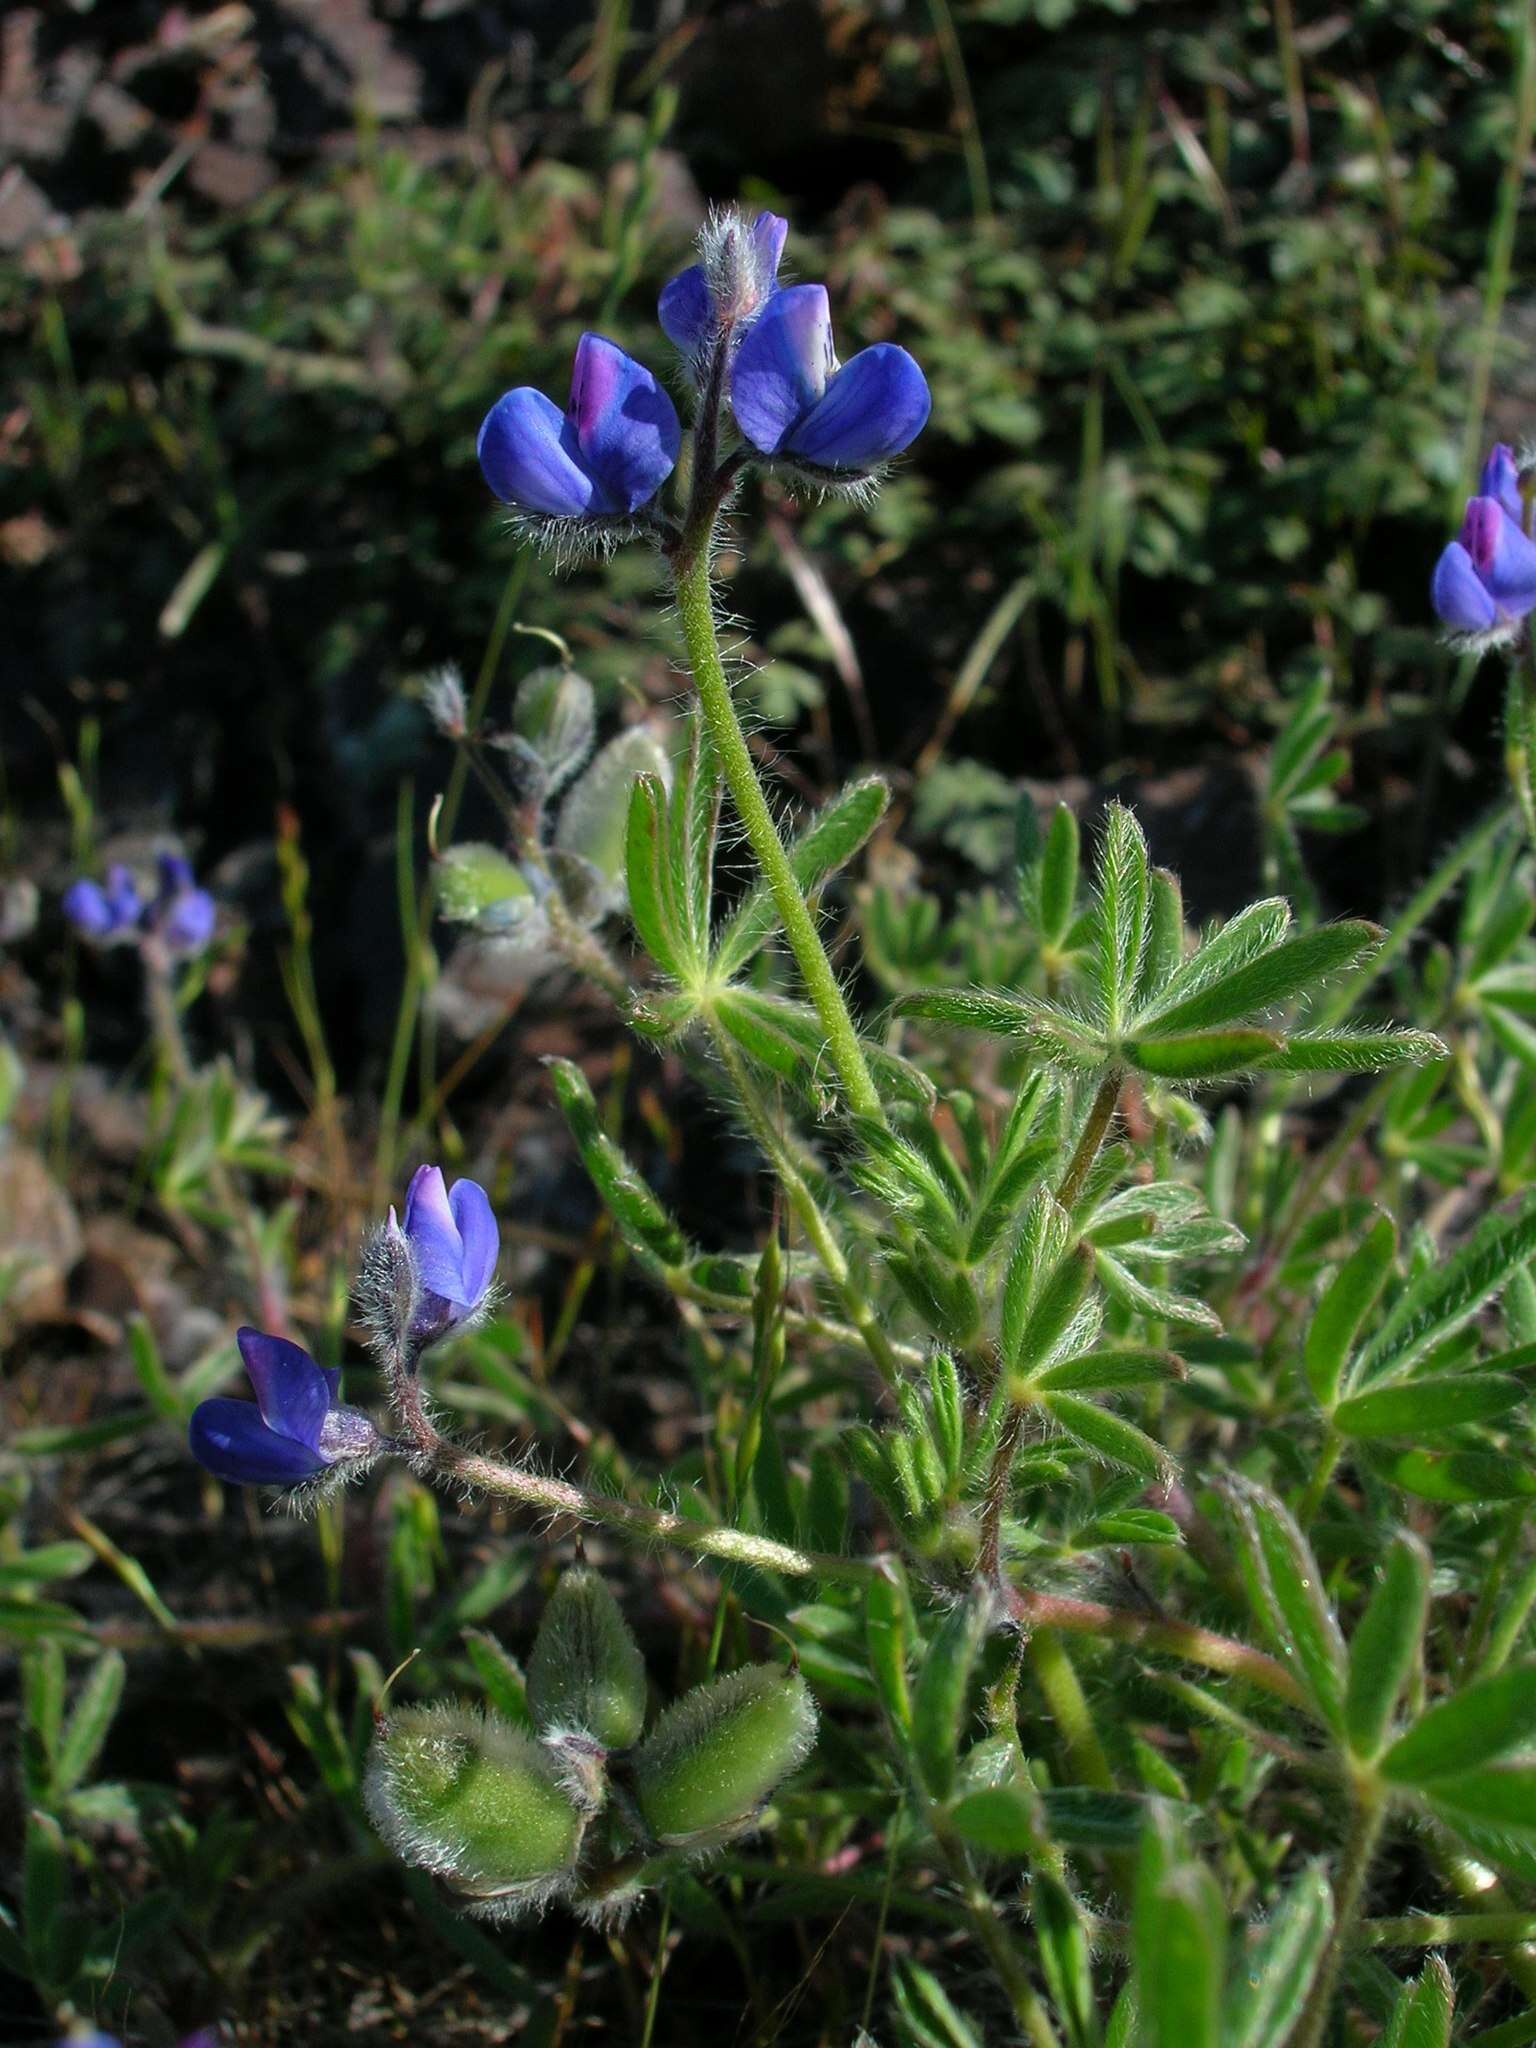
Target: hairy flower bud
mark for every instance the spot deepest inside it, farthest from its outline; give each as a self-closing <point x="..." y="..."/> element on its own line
<point x="472" y="1799"/>
<point x="586" y="1673"/>
<point x="555" y="716"/>
<point x="705" y="1769"/>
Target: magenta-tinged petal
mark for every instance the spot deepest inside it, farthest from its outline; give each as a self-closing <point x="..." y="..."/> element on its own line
<point x="1505" y="560"/>
<point x="481" y="1239"/>
<point x="1459" y="599"/>
<point x="685" y="311"/>
<point x="626" y="428"/>
<point x="529" y="457"/>
<point x="231" y="1441"/>
<point x="292" y="1392"/>
<point x="1500" y="479"/>
<point x="783" y="365"/>
<point x="873" y="408"/>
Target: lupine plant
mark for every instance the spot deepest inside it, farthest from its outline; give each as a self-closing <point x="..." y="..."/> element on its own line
<point x="1043" y="1234"/>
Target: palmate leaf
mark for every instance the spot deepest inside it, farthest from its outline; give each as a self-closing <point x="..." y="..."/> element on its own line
<point x="1421" y="2016"/>
<point x="1424" y="1407"/>
<point x="1353" y="1052"/>
<point x="789" y="1039"/>
<point x="1123" y="889"/>
<point x="1287" y="970"/>
<point x="1268" y="1988"/>
<point x="1471" y="1729"/>
<point x="1445" y="1297"/>
<point x="1160" y="1304"/>
<point x="648" y="872"/>
<point x="1254" y="930"/>
<point x="1285" y="1587"/>
<point x="643" y="1222"/>
<point x="1342" y="1311"/>
<point x="833" y="837"/>
<point x="1203" y="1055"/>
<point x="1386" y="1643"/>
<point x="1108" y="1436"/>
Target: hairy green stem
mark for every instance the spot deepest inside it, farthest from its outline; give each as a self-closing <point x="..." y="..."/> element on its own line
<point x="808" y="1214"/>
<point x="1101" y="1115"/>
<point x="1180" y="1638"/>
<point x="440" y="1455"/>
<point x="1367" y="1811"/>
<point x="992" y="1932"/>
<point x="695" y="607"/>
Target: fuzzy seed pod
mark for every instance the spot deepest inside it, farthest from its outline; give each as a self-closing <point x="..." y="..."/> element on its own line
<point x="477" y="1802"/>
<point x="704" y="1771"/>
<point x="586" y="1672"/>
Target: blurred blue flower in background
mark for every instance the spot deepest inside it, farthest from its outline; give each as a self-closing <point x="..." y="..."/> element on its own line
<point x="104" y="910"/>
<point x="178" y="920"/>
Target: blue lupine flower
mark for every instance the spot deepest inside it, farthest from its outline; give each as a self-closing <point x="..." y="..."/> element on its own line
<point x="604" y="457"/>
<point x="791" y="398"/>
<point x="107" y="911"/>
<point x="1501" y="479"/>
<point x="737" y="278"/>
<point x="1487" y="578"/>
<point x="182" y="916"/>
<point x="454" y="1241"/>
<point x="294" y="1428"/>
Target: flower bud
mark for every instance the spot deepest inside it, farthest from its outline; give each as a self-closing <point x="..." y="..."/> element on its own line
<point x="475" y="1801"/>
<point x="586" y="1674"/>
<point x="555" y="717"/>
<point x="705" y="1770"/>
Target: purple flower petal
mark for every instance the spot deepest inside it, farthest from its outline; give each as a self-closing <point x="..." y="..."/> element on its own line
<point x="175" y="873"/>
<point x="481" y="1239"/>
<point x="433" y="1230"/>
<point x="685" y="310"/>
<point x="529" y="457"/>
<point x="292" y="1393"/>
<point x="231" y="1441"/>
<point x="1460" y="601"/>
<point x="626" y="427"/>
<point x="873" y="407"/>
<point x="769" y="231"/>
<point x="1501" y="480"/>
<point x="85" y="905"/>
<point x="1504" y="559"/>
<point x="783" y="365"/>
<point x="187" y="921"/>
<point x="123" y="897"/>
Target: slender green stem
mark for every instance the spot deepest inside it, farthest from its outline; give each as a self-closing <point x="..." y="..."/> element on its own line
<point x="1179" y="1638"/>
<point x="440" y="1455"/>
<point x="1431" y="1930"/>
<point x="965" y="108"/>
<point x="808" y="1213"/>
<point x="1101" y="1115"/>
<point x="995" y="1937"/>
<point x="1322" y="1473"/>
<point x="696" y="612"/>
<point x="1367" y="1811"/>
<point x="1499" y="266"/>
<point x="1069" y="1709"/>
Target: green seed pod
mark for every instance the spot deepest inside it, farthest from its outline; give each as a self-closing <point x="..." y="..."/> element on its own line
<point x="475" y="1801"/>
<point x="586" y="1673"/>
<point x="705" y="1769"/>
